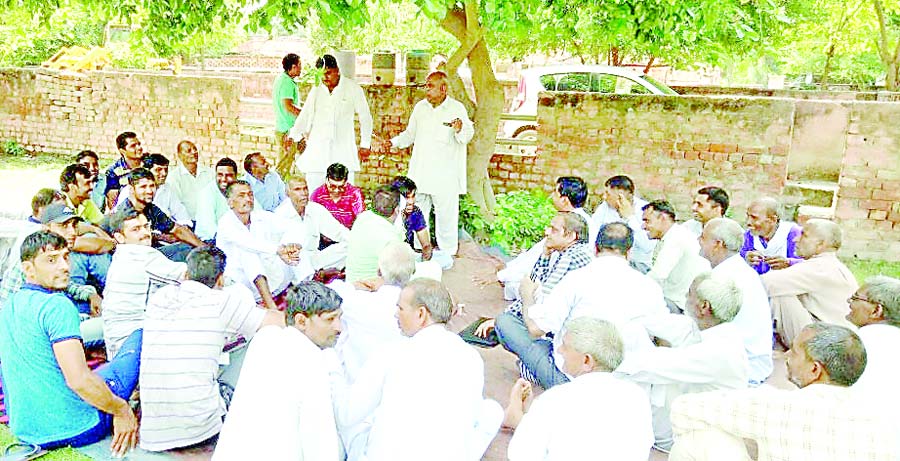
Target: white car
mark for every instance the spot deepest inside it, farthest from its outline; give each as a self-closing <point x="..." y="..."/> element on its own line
<point x="580" y="78"/>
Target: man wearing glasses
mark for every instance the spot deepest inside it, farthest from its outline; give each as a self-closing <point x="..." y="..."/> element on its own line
<point x="343" y="200"/>
<point x="875" y="309"/>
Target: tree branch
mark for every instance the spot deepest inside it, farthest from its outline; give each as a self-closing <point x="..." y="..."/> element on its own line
<point x="473" y="34"/>
<point x="882" y="28"/>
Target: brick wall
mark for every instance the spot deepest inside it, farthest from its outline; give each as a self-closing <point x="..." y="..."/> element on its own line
<point x="248" y="61"/>
<point x="63" y="112"/>
<point x="788" y="93"/>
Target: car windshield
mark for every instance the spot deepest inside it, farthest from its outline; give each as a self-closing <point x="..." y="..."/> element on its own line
<point x="659" y="85"/>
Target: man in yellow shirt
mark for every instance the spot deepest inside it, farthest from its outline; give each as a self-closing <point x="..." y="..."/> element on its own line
<point x="76" y="182"/>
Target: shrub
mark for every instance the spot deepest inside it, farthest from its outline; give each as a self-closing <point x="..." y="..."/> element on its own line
<point x="521" y="218"/>
<point x="12" y="147"/>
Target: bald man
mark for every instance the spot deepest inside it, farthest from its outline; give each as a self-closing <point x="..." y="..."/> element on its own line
<point x="769" y="243"/>
<point x="815" y="289"/>
<point x="189" y="179"/>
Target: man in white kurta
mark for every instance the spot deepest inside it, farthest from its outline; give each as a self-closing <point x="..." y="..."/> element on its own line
<point x="282" y="407"/>
<point x="424" y="400"/>
<point x="875" y="309"/>
<point x="716" y="361"/>
<point x="594" y="416"/>
<point x="312" y="221"/>
<point x="262" y="251"/>
<point x="676" y="259"/>
<point x="620" y="204"/>
<point x="815" y="289"/>
<point x="720" y="243"/>
<point x="326" y="122"/>
<point x="439" y="129"/>
<point x="189" y="178"/>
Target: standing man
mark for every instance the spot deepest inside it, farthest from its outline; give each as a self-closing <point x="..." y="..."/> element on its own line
<point x="268" y="188"/>
<point x="189" y="179"/>
<point x="327" y="122"/>
<point x="439" y="128"/>
<point x="131" y="153"/>
<point x="710" y="202"/>
<point x="285" y="100"/>
<point x="77" y="183"/>
<point x="769" y="242"/>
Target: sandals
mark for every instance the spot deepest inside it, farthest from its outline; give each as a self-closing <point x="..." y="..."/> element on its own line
<point x="22" y="452"/>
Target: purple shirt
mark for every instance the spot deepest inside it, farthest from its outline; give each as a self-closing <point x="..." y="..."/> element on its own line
<point x="790" y="248"/>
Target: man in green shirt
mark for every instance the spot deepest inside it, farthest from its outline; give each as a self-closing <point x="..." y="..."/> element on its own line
<point x="286" y="100"/>
<point x="371" y="232"/>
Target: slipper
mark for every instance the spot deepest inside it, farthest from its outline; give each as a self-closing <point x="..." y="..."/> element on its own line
<point x="22" y="452"/>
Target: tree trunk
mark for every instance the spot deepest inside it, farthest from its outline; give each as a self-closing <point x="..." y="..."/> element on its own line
<point x="890" y="55"/>
<point x="828" y="57"/>
<point x="485" y="113"/>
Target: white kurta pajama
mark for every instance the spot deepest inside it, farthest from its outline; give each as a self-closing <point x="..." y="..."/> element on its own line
<point x="316" y="222"/>
<point x="438" y="164"/>
<point x="326" y="120"/>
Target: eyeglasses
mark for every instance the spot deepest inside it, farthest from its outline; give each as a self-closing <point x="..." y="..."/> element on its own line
<point x="859" y="298"/>
<point x="332" y="185"/>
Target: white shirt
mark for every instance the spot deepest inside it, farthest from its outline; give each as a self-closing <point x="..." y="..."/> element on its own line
<point x="282" y="406"/>
<point x="370" y="325"/>
<point x="677" y="261"/>
<point x="642" y="250"/>
<point x="315" y="222"/>
<point x="521" y="265"/>
<point x="166" y="200"/>
<point x="427" y="389"/>
<point x="608" y="288"/>
<point x="694" y="227"/>
<point x="326" y="120"/>
<point x="184" y="333"/>
<point x="188" y="188"/>
<point x="438" y="161"/>
<point x="717" y="361"/>
<point x="882" y="342"/>
<point x="136" y="272"/>
<point x="594" y="416"/>
<point x="754" y="320"/>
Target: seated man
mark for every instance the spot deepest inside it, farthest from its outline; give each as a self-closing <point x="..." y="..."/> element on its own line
<point x="212" y="203"/>
<point x="621" y="205"/>
<point x="53" y="399"/>
<point x="608" y="288"/>
<point x="813" y="290"/>
<point x="720" y="244"/>
<point x="164" y="198"/>
<point x="343" y="200"/>
<point x="570" y="195"/>
<point x="565" y="422"/>
<point x="373" y="230"/>
<point x="299" y="422"/>
<point x="268" y="188"/>
<point x="717" y="361"/>
<point x="823" y="421"/>
<point x="769" y="243"/>
<point x="262" y="249"/>
<point x="91" y="160"/>
<point x="83" y="267"/>
<point x="677" y="259"/>
<point x="369" y="324"/>
<point x="414" y="223"/>
<point x="27" y="227"/>
<point x="566" y="239"/>
<point x="184" y="332"/>
<point x="136" y="270"/>
<point x="143" y="191"/>
<point x="398" y="391"/>
<point x="709" y="203"/>
<point x="313" y="221"/>
<point x="189" y="178"/>
<point x="77" y="184"/>
<point x="875" y="309"/>
<point x="130" y="155"/>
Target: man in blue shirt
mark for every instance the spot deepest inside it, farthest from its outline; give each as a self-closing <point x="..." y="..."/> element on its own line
<point x="117" y="174"/>
<point x="53" y="399"/>
<point x="268" y="188"/>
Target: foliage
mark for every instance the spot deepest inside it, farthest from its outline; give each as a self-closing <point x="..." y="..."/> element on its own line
<point x="864" y="269"/>
<point x="26" y="41"/>
<point x="521" y="219"/>
<point x="62" y="454"/>
<point x="12" y="147"/>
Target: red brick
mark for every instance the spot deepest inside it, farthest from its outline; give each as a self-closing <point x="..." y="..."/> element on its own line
<point x="726" y="148"/>
<point x="878" y="215"/>
<point x="881" y="194"/>
<point x="875" y="205"/>
<point x="854" y="192"/>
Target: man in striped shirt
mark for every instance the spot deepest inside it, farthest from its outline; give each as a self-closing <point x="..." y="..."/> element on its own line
<point x="184" y="332"/>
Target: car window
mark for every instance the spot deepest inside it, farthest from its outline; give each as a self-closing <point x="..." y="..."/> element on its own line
<point x="548" y="81"/>
<point x="603" y="83"/>
<point x="580" y="81"/>
<point x="625" y="85"/>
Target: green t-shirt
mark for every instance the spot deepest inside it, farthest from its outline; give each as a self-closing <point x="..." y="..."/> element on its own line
<point x="285" y="88"/>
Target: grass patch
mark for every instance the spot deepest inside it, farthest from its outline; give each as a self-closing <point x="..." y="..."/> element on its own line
<point x="63" y="454"/>
<point x="864" y="269"/>
<point x="39" y="162"/>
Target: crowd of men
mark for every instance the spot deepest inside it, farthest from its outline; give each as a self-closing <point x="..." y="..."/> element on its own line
<point x="273" y="314"/>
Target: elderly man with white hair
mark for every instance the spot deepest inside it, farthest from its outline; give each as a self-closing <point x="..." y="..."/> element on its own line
<point x="717" y="361"/>
<point x="563" y="423"/>
<point x="813" y="290"/>
<point x="770" y="242"/>
<point x="720" y="243"/>
<point x="875" y="309"/>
